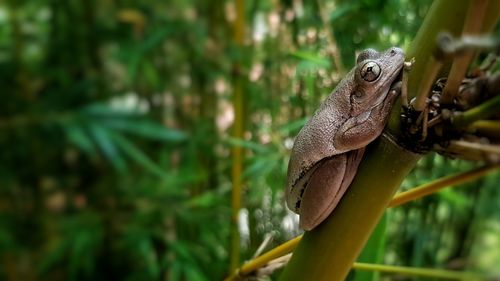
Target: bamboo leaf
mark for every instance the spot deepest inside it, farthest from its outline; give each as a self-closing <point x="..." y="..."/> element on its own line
<point x="257" y="147"/>
<point x="206" y="199"/>
<point x="313" y="59"/>
<point x="262" y="166"/>
<point x="104" y="141"/>
<point x="342" y="11"/>
<point x="194" y="275"/>
<point x="137" y="155"/>
<point x="146" y="128"/>
<point x="147" y="253"/>
<point x="77" y="135"/>
<point x="104" y="110"/>
<point x="293" y="126"/>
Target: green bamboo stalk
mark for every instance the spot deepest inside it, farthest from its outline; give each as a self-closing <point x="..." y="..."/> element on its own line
<point x="328" y="252"/>
<point x="238" y="129"/>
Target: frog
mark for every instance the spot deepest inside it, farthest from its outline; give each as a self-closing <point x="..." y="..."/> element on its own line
<point x="329" y="148"/>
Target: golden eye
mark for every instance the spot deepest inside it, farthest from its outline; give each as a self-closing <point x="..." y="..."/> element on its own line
<point x="370" y="71"/>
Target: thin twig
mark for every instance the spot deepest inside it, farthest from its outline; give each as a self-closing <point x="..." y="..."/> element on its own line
<point x="435" y="121"/>
<point x="424" y="123"/>
<point x="274" y="265"/>
<point x="404" y="89"/>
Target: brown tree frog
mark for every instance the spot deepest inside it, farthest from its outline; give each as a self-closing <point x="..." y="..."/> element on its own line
<point x="329" y="148"/>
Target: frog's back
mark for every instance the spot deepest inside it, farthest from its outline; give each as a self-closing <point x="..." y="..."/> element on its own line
<point x="315" y="140"/>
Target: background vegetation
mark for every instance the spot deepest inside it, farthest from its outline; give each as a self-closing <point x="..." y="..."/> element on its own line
<point x="116" y="133"/>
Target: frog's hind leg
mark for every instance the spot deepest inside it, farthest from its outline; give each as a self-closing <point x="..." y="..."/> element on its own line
<point x="326" y="186"/>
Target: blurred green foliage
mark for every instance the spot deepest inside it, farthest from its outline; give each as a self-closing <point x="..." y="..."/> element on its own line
<point x="114" y="128"/>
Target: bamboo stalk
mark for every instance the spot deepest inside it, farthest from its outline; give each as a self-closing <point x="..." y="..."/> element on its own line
<point x="328" y="252"/>
<point x="238" y="130"/>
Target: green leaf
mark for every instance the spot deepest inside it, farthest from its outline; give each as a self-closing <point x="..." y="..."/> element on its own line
<point x="104" y="110"/>
<point x="261" y="166"/>
<point x="176" y="271"/>
<point x="52" y="258"/>
<point x="80" y="138"/>
<point x="181" y="249"/>
<point x="453" y="197"/>
<point x="151" y="42"/>
<point x="313" y="59"/>
<point x="103" y="138"/>
<point x="309" y="82"/>
<point x="206" y="199"/>
<point x="194" y="274"/>
<point x="137" y="155"/>
<point x="145" y="128"/>
<point x="150" y="74"/>
<point x="293" y="126"/>
<point x="342" y="11"/>
<point x="247" y="144"/>
<point x="148" y="255"/>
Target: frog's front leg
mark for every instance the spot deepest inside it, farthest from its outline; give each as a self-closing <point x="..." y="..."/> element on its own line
<point x="360" y="130"/>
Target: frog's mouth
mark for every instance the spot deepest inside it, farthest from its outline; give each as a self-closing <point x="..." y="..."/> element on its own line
<point x="398" y="78"/>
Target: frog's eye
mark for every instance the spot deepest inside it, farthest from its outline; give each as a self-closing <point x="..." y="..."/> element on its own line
<point x="370" y="71"/>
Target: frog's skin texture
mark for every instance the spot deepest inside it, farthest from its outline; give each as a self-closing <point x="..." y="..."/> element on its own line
<point x="329" y="148"/>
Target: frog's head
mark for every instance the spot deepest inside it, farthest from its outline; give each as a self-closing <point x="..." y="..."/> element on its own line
<point x="374" y="74"/>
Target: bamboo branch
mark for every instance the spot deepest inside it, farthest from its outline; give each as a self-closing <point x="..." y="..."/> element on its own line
<point x="262" y="260"/>
<point x="434" y="186"/>
<point x="424" y="272"/>
<point x="482" y="111"/>
<point x="487" y="127"/>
